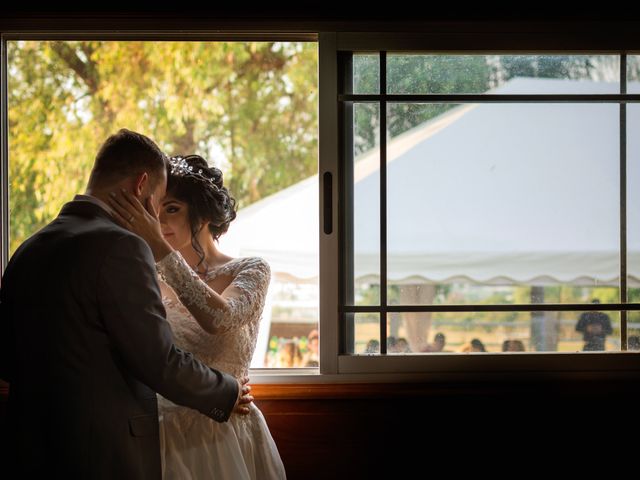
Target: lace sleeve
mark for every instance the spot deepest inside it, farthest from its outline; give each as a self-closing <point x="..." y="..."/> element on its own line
<point x="214" y="312"/>
<point x="250" y="285"/>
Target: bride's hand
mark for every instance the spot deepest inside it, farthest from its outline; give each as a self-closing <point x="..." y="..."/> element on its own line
<point x="144" y="222"/>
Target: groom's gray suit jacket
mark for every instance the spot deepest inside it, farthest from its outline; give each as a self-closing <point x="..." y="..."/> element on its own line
<point x="86" y="346"/>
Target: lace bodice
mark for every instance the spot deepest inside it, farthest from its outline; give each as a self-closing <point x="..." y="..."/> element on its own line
<point x="231" y="347"/>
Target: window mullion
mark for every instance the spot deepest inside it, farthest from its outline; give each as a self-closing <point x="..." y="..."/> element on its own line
<point x="383" y="203"/>
<point x="623" y="202"/>
<point x="329" y="243"/>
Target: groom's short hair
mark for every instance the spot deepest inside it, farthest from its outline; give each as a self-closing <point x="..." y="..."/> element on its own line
<point x="125" y="154"/>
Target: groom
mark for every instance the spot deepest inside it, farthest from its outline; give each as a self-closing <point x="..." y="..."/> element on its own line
<point x="85" y="344"/>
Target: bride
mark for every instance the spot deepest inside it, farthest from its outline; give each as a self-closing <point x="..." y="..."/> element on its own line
<point x="214" y="304"/>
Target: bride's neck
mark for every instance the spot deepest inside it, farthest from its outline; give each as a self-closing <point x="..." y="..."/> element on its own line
<point x="212" y="255"/>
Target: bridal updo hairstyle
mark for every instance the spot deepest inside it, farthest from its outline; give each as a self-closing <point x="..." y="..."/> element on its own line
<point x="202" y="189"/>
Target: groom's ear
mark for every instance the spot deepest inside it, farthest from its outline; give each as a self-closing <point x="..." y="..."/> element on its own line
<point x="140" y="183"/>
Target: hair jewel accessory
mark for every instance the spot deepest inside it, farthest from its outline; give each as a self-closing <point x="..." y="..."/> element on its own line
<point x="181" y="168"/>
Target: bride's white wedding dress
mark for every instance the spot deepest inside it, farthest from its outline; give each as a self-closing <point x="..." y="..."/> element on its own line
<point x="194" y="446"/>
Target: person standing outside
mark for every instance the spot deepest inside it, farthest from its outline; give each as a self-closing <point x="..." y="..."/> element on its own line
<point x="594" y="326"/>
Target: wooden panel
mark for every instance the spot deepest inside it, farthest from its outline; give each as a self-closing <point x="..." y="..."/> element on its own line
<point x="364" y="391"/>
<point x="371" y="431"/>
<point x="334" y="431"/>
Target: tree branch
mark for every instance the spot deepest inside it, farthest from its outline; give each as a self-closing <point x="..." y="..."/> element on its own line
<point x="85" y="70"/>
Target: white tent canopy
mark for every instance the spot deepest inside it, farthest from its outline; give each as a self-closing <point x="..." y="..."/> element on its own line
<point x="497" y="194"/>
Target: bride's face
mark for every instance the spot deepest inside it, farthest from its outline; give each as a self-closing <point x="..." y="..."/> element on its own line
<point x="174" y="222"/>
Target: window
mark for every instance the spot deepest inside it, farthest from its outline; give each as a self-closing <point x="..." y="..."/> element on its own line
<point x="484" y="207"/>
<point x="426" y="149"/>
<point x="250" y="108"/>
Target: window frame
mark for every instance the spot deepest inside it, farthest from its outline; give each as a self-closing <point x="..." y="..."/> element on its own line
<point x="332" y="37"/>
<point x="448" y="364"/>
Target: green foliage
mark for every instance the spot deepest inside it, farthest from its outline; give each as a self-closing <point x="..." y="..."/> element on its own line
<point x="250" y="108"/>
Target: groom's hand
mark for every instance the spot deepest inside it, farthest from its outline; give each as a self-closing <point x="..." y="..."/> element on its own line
<point x="244" y="397"/>
<point x="143" y="220"/>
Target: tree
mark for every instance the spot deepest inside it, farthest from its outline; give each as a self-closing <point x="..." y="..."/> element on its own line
<point x="248" y="107"/>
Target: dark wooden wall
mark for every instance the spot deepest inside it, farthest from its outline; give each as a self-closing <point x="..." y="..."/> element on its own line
<point x="416" y="430"/>
<point x="353" y="431"/>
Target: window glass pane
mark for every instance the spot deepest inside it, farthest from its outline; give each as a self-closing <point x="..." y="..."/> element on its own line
<point x="249" y="108"/>
<point x="502" y="74"/>
<point x="366" y="336"/>
<point x="633" y="223"/>
<point x="633" y="74"/>
<point x="502" y="203"/>
<point x="366" y="73"/>
<point x="467" y="332"/>
<point x="366" y="204"/>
